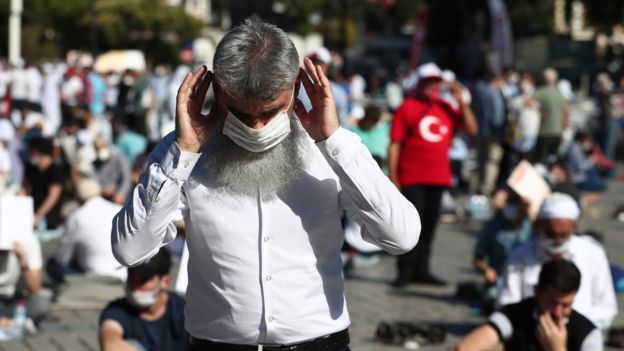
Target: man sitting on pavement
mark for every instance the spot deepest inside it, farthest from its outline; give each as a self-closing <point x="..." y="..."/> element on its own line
<point x="149" y="317"/>
<point x="556" y="221"/>
<point x="85" y="245"/>
<point x="546" y="321"/>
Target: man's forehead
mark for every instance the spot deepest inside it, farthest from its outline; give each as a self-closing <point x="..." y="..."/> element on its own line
<point x="256" y="105"/>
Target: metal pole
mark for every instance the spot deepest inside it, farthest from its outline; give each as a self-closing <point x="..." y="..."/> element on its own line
<point x="15" y="31"/>
<point x="93" y="29"/>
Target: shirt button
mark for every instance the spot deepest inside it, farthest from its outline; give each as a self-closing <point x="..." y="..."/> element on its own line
<point x="157" y="199"/>
<point x="335" y="152"/>
<point x="268" y="278"/>
<point x="266" y="238"/>
<point x="270" y="319"/>
<point x="186" y="164"/>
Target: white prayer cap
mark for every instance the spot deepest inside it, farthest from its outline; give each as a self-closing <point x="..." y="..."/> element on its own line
<point x="559" y="206"/>
<point x="321" y="54"/>
<point x="448" y="75"/>
<point x="429" y="71"/>
<point x="7" y="132"/>
<point x="88" y="188"/>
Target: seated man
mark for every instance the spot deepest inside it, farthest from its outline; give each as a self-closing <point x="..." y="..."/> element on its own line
<point x="85" y="245"/>
<point x="21" y="277"/>
<point x="556" y="221"/>
<point x="149" y="317"/>
<point x="509" y="228"/>
<point x="545" y="322"/>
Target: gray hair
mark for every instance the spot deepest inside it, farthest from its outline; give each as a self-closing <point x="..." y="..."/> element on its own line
<point x="255" y="60"/>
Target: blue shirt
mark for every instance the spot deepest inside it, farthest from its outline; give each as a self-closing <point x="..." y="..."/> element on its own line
<point x="497" y="239"/>
<point x="165" y="333"/>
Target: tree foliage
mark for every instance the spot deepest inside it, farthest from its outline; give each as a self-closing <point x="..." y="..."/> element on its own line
<point x="603" y="14"/>
<point x="51" y="27"/>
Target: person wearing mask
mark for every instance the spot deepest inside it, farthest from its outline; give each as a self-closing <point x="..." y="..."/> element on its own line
<point x="510" y="228"/>
<point x="149" y="317"/>
<point x="546" y="321"/>
<point x="556" y="222"/>
<point x="44" y="180"/>
<point x="262" y="184"/>
<point x="112" y="170"/>
<point x="419" y="164"/>
<point x="582" y="164"/>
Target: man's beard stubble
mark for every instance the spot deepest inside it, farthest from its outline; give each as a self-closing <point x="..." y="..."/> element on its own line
<point x="246" y="173"/>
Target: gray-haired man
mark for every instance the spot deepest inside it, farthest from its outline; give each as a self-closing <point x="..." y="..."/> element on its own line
<point x="261" y="184"/>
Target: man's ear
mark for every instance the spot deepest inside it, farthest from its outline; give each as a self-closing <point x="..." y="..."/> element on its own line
<point x="166" y="281"/>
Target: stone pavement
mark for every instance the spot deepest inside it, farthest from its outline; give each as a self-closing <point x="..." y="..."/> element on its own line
<point x="73" y="323"/>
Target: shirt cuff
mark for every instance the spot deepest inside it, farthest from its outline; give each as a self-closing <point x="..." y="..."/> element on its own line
<point x="178" y="164"/>
<point x="340" y="147"/>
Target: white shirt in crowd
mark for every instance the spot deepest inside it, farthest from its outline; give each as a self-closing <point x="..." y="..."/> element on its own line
<point x="595" y="298"/>
<point x="87" y="239"/>
<point x="19" y="84"/>
<point x="265" y="272"/>
<point x="10" y="271"/>
<point x="35" y="85"/>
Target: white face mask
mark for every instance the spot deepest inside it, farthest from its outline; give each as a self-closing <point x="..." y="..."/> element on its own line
<point x="104" y="154"/>
<point x="258" y="140"/>
<point x="142" y="299"/>
<point x="551" y="248"/>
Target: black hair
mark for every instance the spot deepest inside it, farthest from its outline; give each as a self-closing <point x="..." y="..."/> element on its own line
<point x="560" y="274"/>
<point x="42" y="145"/>
<point x="158" y="265"/>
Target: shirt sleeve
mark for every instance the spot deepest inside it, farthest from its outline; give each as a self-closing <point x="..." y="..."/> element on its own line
<point x="67" y="244"/>
<point x="126" y="178"/>
<point x="398" y="130"/>
<point x="593" y="341"/>
<point x="510" y="286"/>
<point x="481" y="249"/>
<point x="114" y="312"/>
<point x="604" y="307"/>
<point x="145" y="223"/>
<point x="387" y="218"/>
<point x="501" y="322"/>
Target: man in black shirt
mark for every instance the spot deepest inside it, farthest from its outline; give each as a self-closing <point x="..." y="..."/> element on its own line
<point x="545" y="322"/>
<point x="43" y="180"/>
<point x="149" y="317"/>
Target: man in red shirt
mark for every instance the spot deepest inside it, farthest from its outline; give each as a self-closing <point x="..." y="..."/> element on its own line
<point x="419" y="164"/>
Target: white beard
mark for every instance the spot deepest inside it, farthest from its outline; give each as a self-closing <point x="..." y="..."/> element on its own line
<point x="246" y="173"/>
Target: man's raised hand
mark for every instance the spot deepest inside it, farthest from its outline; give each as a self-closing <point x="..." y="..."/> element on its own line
<point x="193" y="128"/>
<point x="322" y="120"/>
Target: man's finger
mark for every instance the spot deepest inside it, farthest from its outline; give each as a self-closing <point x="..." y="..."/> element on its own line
<point x="183" y="91"/>
<point x="204" y="85"/>
<point x="324" y="81"/>
<point x="190" y="86"/>
<point x="301" y="111"/>
<point x="311" y="69"/>
<point x="307" y="83"/>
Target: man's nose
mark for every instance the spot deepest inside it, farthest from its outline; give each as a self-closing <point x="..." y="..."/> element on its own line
<point x="258" y="124"/>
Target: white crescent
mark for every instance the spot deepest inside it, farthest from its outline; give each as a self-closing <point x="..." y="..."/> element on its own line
<point x="425" y="129"/>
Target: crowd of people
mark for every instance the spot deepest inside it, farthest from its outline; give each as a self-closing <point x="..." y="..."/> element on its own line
<point x="78" y="141"/>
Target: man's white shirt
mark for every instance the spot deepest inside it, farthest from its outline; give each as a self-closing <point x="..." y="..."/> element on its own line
<point x="86" y="239"/>
<point x="595" y="298"/>
<point x="265" y="272"/>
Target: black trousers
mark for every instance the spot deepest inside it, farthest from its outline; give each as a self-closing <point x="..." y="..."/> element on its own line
<point x="427" y="200"/>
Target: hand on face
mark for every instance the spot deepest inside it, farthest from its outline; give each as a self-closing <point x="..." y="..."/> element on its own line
<point x="551" y="335"/>
<point x="322" y="120"/>
<point x="193" y="128"/>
